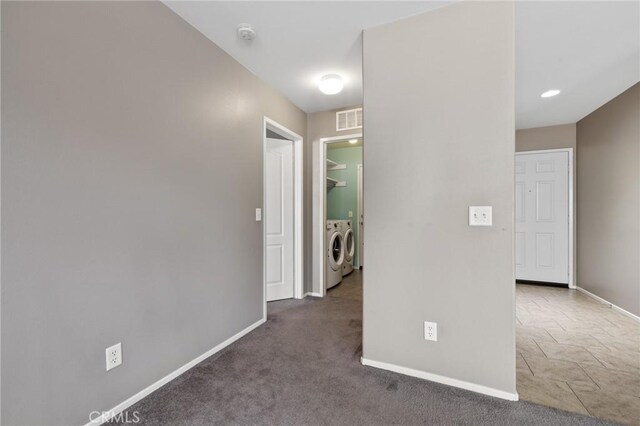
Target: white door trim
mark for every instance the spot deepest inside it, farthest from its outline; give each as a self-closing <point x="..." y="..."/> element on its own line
<point x="360" y="193"/>
<point x="569" y="151"/>
<point x="298" y="259"/>
<point x="320" y="206"/>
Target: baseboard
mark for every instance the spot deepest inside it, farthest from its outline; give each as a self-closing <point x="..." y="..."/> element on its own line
<point x="166" y="379"/>
<point x="606" y="302"/>
<point x="312" y="294"/>
<point x="441" y="379"/>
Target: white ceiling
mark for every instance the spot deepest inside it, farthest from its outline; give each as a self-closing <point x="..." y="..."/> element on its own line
<point x="297" y="42"/>
<point x="588" y="50"/>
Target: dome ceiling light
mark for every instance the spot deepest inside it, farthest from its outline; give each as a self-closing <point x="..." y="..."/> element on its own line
<point x="331" y="84"/>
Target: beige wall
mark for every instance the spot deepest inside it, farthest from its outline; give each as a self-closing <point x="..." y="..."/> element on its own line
<point x="609" y="201"/>
<point x="554" y="137"/>
<point x="551" y="137"/>
<point x="323" y="124"/>
<point x="131" y="168"/>
<point x="451" y="149"/>
<point x="319" y="125"/>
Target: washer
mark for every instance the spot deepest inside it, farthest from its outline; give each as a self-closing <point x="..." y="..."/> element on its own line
<point x="348" y="238"/>
<point x="335" y="254"/>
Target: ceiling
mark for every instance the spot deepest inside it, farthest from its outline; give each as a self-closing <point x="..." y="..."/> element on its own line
<point x="588" y="50"/>
<point x="298" y="42"/>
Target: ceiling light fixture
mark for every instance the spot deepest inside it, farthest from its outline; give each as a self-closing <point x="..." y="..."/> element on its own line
<point x="550" y="93"/>
<point x="353" y="140"/>
<point x="331" y="84"/>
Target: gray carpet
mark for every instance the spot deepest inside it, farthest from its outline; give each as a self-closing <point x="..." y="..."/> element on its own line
<point x="302" y="368"/>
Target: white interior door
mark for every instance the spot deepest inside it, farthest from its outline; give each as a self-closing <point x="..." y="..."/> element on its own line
<point x="279" y="219"/>
<point x="542" y="216"/>
<point x="360" y="217"/>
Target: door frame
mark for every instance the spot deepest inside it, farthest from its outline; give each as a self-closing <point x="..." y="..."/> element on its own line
<point x="298" y="201"/>
<point x="360" y="203"/>
<point x="569" y="151"/>
<point x="320" y="208"/>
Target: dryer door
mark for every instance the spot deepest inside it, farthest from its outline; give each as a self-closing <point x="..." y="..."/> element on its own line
<point x="336" y="251"/>
<point x="349" y="245"/>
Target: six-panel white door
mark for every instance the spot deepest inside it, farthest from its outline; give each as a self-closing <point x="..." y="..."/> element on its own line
<point x="279" y="219"/>
<point x="542" y="217"/>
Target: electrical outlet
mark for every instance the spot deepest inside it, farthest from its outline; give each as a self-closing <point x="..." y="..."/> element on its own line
<point x="431" y="331"/>
<point x="114" y="356"/>
<point x="350" y="213"/>
<point x="480" y="216"/>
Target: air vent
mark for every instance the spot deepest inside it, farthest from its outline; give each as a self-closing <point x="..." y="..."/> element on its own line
<point x="349" y="119"/>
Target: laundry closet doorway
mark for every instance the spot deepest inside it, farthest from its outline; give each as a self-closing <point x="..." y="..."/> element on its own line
<point x="360" y="223"/>
<point x="335" y="181"/>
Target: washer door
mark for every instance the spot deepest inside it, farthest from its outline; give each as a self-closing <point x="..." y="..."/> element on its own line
<point x="336" y="251"/>
<point x="349" y="244"/>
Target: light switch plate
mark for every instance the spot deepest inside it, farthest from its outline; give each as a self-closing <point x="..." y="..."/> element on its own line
<point x="258" y="215"/>
<point x="480" y="216"/>
<point x="350" y="213"/>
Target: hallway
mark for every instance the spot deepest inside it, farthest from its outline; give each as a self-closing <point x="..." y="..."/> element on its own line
<point x="577" y="354"/>
<point x="302" y="367"/>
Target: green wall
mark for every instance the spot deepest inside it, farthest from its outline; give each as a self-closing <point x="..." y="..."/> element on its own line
<point x="341" y="200"/>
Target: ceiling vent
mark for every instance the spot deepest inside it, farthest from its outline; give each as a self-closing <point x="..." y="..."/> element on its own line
<point x="349" y="119"/>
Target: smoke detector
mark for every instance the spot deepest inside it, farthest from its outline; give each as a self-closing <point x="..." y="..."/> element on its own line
<point x="245" y="32"/>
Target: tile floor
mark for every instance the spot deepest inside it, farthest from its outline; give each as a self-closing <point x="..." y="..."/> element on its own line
<point x="577" y="354"/>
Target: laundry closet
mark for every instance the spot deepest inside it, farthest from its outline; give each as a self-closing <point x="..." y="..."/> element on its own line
<point x="343" y="209"/>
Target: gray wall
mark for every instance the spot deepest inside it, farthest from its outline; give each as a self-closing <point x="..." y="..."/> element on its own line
<point x="449" y="108"/>
<point x="609" y="201"/>
<point x="319" y="125"/>
<point x="131" y="168"/>
<point x="554" y="137"/>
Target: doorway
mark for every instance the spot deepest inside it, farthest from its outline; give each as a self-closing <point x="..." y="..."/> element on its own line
<point x="282" y="213"/>
<point x="544" y="216"/>
<point x="338" y="209"/>
<point x="360" y="223"/>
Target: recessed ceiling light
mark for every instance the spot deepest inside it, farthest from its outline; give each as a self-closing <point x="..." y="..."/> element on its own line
<point x="331" y="84"/>
<point x="353" y="140"/>
<point x="550" y="93"/>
